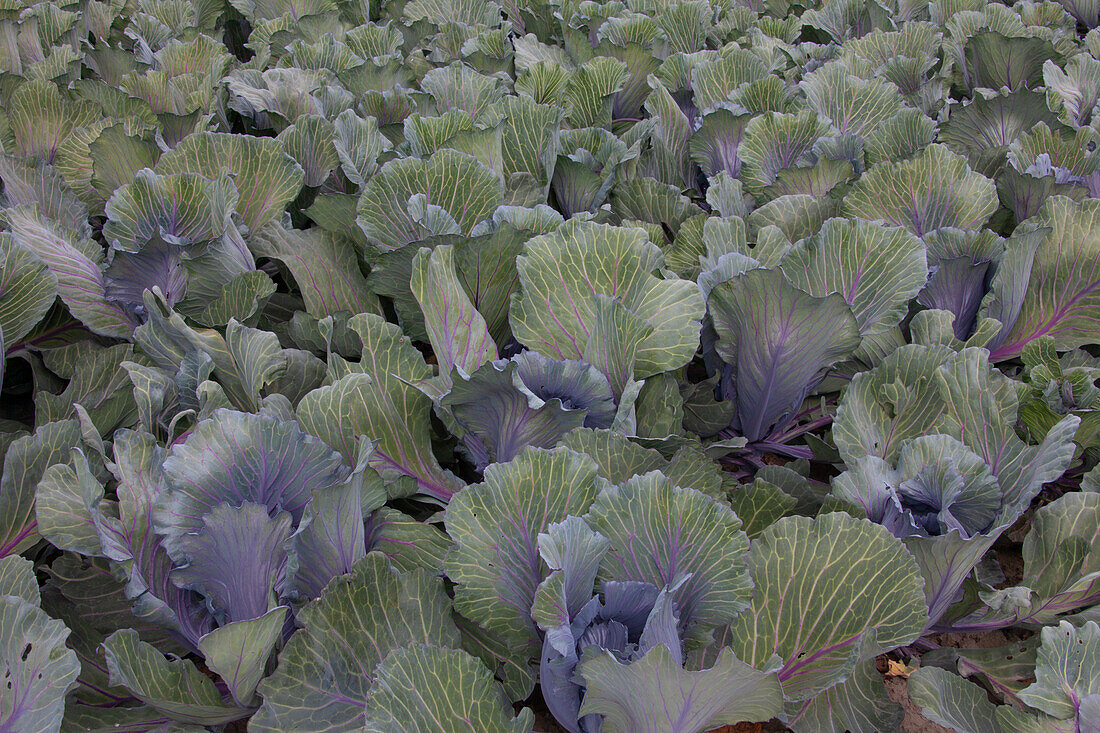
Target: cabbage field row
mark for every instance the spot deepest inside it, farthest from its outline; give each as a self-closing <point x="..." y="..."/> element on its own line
<point x="624" y="366"/>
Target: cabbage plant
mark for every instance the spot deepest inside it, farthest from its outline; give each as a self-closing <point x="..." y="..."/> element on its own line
<point x="639" y="366"/>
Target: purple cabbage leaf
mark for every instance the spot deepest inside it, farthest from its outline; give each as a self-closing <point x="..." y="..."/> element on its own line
<point x="509" y="404"/>
<point x="779" y="343"/>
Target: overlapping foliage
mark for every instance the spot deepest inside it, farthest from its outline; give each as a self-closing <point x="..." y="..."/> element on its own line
<point x="657" y="363"/>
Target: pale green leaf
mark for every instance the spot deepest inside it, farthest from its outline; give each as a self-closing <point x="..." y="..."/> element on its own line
<point x="858" y="593"/>
<point x="25" y="461"/>
<point x="27" y="290"/>
<point x="1062" y="295"/>
<point x="17" y="579"/>
<point x="324" y="267"/>
<point x="76" y="266"/>
<point x="309" y="141"/>
<point x="655" y="693"/>
<point x="877" y="270"/>
<point x="495" y="563"/>
<point x="857" y="705"/>
<point x="38" y="668"/>
<point x="358" y="144"/>
<point x="175" y="687"/>
<point x="457" y="331"/>
<point x="564" y="273"/>
<point x="949" y="700"/>
<point x="932" y="190"/>
<point x="446" y="690"/>
<point x="238" y="652"/>
<point x="455" y="182"/>
<point x="376" y="398"/>
<point x="327" y="669"/>
<point x="267" y="179"/>
<point x="659" y="531"/>
<point x="188" y="207"/>
<point x="66" y="504"/>
<point x="1066" y="671"/>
